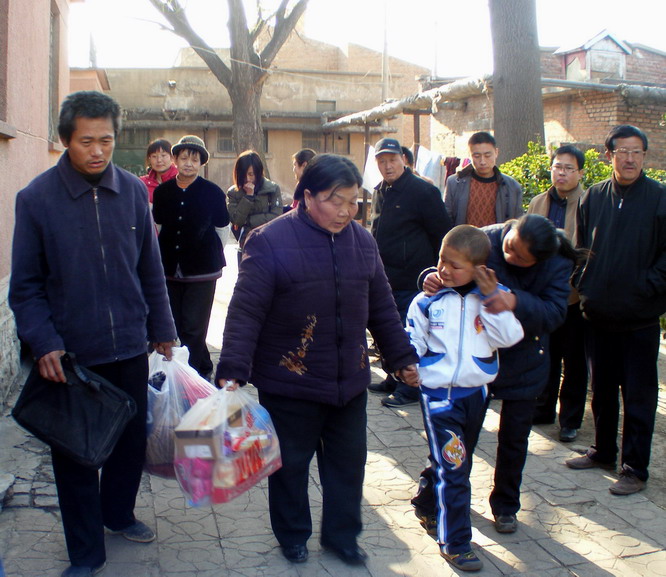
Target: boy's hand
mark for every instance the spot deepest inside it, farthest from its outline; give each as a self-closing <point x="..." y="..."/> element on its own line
<point x="432" y="284"/>
<point x="410" y="376"/>
<point x="485" y="279"/>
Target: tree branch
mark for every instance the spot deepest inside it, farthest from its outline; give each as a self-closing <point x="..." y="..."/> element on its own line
<point x="175" y="15"/>
<point x="281" y="30"/>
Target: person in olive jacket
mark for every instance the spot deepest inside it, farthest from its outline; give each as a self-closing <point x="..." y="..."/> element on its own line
<point x="253" y="200"/>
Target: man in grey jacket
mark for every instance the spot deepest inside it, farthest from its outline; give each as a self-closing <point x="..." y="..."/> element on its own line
<point x="87" y="279"/>
<point x="480" y="194"/>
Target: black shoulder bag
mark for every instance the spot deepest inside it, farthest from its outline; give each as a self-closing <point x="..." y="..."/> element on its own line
<point x="82" y="418"/>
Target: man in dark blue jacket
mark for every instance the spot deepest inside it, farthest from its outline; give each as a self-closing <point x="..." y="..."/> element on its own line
<point x="409" y="220"/>
<point x="622" y="286"/>
<point x="87" y="279"/>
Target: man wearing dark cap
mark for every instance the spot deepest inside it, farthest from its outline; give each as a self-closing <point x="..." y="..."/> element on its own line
<point x="409" y="221"/>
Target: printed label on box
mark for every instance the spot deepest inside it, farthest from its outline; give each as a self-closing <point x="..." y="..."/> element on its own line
<point x="198" y="452"/>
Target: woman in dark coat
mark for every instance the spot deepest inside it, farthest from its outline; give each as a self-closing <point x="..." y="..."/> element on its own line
<point x="310" y="283"/>
<point x="191" y="213"/>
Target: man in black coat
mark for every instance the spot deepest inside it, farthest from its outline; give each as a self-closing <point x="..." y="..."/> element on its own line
<point x="622" y="286"/>
<point x="409" y="220"/>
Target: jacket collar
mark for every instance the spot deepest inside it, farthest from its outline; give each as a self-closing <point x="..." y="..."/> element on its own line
<point x="574" y="195"/>
<point x="77" y="185"/>
<point x="399" y="184"/>
<point x="469" y="169"/>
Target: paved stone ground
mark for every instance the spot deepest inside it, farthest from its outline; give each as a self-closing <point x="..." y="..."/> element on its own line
<point x="569" y="525"/>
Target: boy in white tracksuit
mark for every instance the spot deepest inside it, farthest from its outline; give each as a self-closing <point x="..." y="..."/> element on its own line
<point x="457" y="339"/>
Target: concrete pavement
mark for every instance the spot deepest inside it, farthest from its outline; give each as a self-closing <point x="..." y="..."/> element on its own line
<point x="569" y="525"/>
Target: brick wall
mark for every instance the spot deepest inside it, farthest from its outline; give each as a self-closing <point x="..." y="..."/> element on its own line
<point x="646" y="65"/>
<point x="574" y="116"/>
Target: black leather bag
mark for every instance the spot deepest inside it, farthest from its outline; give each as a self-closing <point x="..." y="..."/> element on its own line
<point x="82" y="418"/>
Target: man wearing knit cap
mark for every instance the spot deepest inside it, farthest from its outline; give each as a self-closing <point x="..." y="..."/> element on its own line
<point x="409" y="221"/>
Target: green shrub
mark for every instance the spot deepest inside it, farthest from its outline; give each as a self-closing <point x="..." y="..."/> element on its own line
<point x="532" y="171"/>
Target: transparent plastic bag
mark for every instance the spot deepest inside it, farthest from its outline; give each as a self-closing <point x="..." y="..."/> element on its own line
<point x="225" y="445"/>
<point x="173" y="388"/>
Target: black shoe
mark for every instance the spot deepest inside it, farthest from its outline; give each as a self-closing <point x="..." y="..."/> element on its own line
<point x="386" y="387"/>
<point x="397" y="401"/>
<point x="506" y="523"/>
<point x="568" y="434"/>
<point x="349" y="555"/>
<point x="295" y="553"/>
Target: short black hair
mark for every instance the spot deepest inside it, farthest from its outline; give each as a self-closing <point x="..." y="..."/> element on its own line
<point x="472" y="242"/>
<point x="624" y="131"/>
<point x="327" y="172"/>
<point x="86" y="104"/>
<point x="482" y="138"/>
<point x="577" y="153"/>
<point x="157" y="145"/>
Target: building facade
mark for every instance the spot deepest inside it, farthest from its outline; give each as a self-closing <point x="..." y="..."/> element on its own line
<point x="586" y="90"/>
<point x="309" y="83"/>
<point x="34" y="78"/>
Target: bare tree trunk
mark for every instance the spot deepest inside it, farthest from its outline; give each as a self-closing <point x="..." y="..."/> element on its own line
<point x="246" y="131"/>
<point x="518" y="106"/>
<point x="247" y="71"/>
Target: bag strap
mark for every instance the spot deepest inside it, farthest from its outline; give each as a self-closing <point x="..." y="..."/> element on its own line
<point x="69" y="361"/>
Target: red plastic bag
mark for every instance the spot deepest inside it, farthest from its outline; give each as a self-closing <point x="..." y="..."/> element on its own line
<point x="225" y="445"/>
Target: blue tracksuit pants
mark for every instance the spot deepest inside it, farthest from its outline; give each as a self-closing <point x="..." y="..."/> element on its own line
<point x="453" y="423"/>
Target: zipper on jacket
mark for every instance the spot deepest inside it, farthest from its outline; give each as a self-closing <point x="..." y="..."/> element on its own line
<point x="106" y="271"/>
<point x="338" y="317"/>
<point x="461" y="340"/>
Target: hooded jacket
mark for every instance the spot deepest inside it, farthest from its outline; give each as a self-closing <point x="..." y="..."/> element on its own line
<point x="296" y="324"/>
<point x="86" y="271"/>
<point x="622" y="284"/>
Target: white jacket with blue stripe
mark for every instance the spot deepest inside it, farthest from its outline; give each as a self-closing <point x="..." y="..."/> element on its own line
<point x="457" y="339"/>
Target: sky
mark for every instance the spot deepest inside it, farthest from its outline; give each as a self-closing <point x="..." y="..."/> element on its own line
<point x="448" y="37"/>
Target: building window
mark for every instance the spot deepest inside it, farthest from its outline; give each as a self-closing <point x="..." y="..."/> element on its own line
<point x="339" y="143"/>
<point x="313" y="140"/>
<point x="225" y="143"/>
<point x="134" y="138"/>
<point x="325" y="105"/>
<point x="54" y="72"/>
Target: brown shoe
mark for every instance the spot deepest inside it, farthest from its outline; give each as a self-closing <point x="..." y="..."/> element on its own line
<point x="585" y="462"/>
<point x="627" y="484"/>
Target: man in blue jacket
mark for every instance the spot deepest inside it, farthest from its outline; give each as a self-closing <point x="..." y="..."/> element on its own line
<point x="87" y="279"/>
<point x="409" y="221"/>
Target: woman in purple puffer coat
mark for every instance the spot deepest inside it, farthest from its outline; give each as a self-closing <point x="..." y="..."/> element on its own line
<point x="310" y="283"/>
